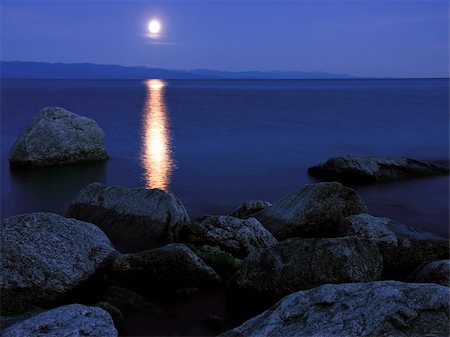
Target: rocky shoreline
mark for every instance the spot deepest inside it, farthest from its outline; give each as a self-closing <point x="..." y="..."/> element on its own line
<point x="314" y="262"/>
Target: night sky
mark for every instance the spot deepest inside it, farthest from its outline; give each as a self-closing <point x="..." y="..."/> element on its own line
<point x="361" y="38"/>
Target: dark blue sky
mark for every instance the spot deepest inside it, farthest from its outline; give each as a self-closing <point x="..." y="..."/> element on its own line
<point x="362" y="38"/>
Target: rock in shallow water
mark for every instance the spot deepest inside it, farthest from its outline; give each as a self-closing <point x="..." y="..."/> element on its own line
<point x="69" y="321"/>
<point x="403" y="248"/>
<point x="237" y="236"/>
<point x="57" y="137"/>
<point x="45" y="255"/>
<point x="162" y="269"/>
<point x="135" y="218"/>
<point x="362" y="309"/>
<point x="367" y="169"/>
<point x="311" y="211"/>
<point x="297" y="264"/>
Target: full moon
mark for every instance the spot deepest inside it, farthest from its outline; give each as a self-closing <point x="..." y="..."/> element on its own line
<point x="154" y="27"/>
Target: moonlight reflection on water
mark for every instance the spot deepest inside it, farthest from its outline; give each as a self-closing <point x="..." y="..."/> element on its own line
<point x="156" y="155"/>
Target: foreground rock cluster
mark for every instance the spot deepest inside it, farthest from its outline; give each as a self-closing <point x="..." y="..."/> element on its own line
<point x="314" y="263"/>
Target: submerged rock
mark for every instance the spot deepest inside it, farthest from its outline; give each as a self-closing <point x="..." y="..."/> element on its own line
<point x="168" y="268"/>
<point x="311" y="211"/>
<point x="367" y="169"/>
<point x="249" y="207"/>
<point x="237" y="236"/>
<point x="69" y="320"/>
<point x="433" y="272"/>
<point x="297" y="264"/>
<point x="136" y="219"/>
<point x="403" y="248"/>
<point x="45" y="255"/>
<point x="362" y="309"/>
<point x="55" y="137"/>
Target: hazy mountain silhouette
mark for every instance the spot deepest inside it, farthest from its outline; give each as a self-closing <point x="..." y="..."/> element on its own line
<point x="43" y="70"/>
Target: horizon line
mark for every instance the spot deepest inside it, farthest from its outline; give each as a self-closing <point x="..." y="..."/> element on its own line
<point x="344" y="76"/>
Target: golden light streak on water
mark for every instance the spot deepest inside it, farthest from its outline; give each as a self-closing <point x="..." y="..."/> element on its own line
<point x="156" y="155"/>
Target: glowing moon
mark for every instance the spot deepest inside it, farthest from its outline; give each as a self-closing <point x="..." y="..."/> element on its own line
<point x="154" y="27"/>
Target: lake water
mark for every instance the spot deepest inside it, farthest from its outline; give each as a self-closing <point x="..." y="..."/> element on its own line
<point x="216" y="144"/>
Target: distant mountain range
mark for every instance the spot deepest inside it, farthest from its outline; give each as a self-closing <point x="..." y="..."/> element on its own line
<point x="43" y="70"/>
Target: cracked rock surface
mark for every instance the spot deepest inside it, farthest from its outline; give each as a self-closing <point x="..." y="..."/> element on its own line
<point x="384" y="308"/>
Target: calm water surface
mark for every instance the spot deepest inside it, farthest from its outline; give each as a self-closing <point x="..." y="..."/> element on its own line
<point x="218" y="143"/>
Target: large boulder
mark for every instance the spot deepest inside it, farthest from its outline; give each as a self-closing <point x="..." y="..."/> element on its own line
<point x="237" y="236"/>
<point x="162" y="270"/>
<point x="134" y="219"/>
<point x="297" y="264"/>
<point x="44" y="256"/>
<point x="249" y="207"/>
<point x="368" y="169"/>
<point x="311" y="211"/>
<point x="386" y="308"/>
<point x="433" y="272"/>
<point x="403" y="248"/>
<point x="70" y="320"/>
<point x="55" y="137"/>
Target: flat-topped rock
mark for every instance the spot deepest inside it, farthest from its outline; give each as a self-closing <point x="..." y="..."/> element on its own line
<point x="136" y="219"/>
<point x="297" y="264"/>
<point x="70" y="320"/>
<point x="44" y="256"/>
<point x="311" y="211"/>
<point x="56" y="136"/>
<point x="386" y="308"/>
<point x="403" y="248"/>
<point x="236" y="236"/>
<point x="367" y="169"/>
